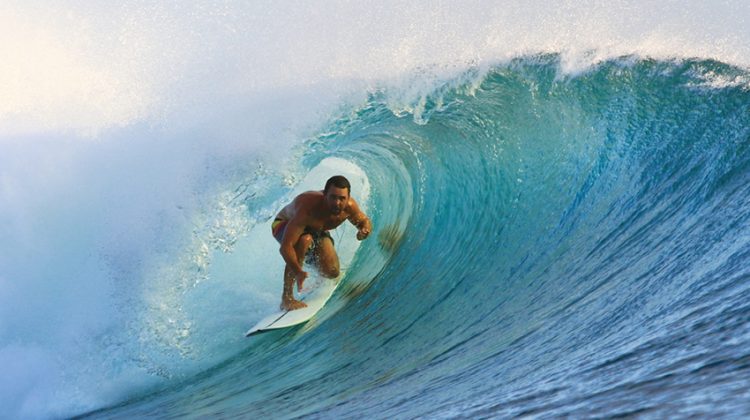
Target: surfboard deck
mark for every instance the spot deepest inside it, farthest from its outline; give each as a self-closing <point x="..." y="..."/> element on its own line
<point x="315" y="300"/>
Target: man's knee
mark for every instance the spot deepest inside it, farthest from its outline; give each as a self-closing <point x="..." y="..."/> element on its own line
<point x="303" y="243"/>
<point x="330" y="271"/>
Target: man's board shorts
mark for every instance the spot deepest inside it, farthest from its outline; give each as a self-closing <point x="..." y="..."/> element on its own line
<point x="278" y="227"/>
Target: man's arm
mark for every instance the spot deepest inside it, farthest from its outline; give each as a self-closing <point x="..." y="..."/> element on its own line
<point x="360" y="220"/>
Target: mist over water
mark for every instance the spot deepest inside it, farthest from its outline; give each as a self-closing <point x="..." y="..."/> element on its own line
<point x="144" y="147"/>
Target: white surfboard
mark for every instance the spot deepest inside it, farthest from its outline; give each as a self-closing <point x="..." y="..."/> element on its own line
<point x="315" y="300"/>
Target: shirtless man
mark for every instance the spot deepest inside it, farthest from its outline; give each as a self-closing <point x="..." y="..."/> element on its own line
<point x="303" y="226"/>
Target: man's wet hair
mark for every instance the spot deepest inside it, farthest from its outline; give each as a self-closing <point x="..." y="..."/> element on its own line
<point x="337" y="181"/>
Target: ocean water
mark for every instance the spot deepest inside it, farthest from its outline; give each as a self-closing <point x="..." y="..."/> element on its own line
<point x="559" y="196"/>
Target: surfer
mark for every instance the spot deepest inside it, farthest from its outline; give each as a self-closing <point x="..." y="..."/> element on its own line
<point x="302" y="227"/>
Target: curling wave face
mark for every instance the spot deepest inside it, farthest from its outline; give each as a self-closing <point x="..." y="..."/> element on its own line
<point x="545" y="244"/>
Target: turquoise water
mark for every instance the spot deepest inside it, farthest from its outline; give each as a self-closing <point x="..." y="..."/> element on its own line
<point x="551" y="246"/>
<point x="559" y="195"/>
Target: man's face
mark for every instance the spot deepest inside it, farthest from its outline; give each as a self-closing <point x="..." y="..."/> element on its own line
<point x="336" y="199"/>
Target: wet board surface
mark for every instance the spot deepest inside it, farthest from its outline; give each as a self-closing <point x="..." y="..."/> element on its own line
<point x="315" y="299"/>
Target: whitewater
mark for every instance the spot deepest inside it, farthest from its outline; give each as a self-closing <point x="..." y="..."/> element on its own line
<point x="559" y="193"/>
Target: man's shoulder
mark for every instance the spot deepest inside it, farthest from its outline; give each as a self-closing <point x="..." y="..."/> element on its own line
<point x="306" y="201"/>
<point x="309" y="197"/>
<point x="310" y="194"/>
<point x="353" y="204"/>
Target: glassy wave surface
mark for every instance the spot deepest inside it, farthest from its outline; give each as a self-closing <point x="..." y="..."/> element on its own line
<point x="545" y="245"/>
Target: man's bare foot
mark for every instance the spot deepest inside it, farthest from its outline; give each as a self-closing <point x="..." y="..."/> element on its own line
<point x="292" y="304"/>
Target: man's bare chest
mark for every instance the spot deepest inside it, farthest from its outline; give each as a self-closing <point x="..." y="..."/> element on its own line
<point x="327" y="223"/>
